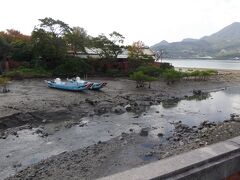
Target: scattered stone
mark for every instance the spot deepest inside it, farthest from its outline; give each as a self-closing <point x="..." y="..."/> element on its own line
<point x="197" y="92"/>
<point x="83" y="123"/>
<point x="118" y="109"/>
<point x="160" y="134"/>
<point x="128" y="107"/>
<point x="144" y="131"/>
<point x="125" y="142"/>
<point x="181" y="143"/>
<point x="120" y="138"/>
<point x="17" y="165"/>
<point x="149" y="154"/>
<point x="197" y="140"/>
<point x="39" y="131"/>
<point x="90" y="101"/>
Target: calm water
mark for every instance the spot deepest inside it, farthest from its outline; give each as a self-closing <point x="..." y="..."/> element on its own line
<point x="209" y="64"/>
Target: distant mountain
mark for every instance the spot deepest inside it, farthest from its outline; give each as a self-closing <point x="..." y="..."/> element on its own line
<point x="224" y="44"/>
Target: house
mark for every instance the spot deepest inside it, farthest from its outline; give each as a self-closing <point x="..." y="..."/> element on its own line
<point x="95" y="53"/>
<point x="89" y="53"/>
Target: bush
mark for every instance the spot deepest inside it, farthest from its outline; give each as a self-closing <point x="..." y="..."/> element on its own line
<point x="199" y="75"/>
<point x="165" y="65"/>
<point x="3" y="83"/>
<point x="24" y="72"/>
<point x="140" y="78"/>
<point x="171" y="76"/>
<point x="72" y="67"/>
<point x="150" y="70"/>
<point x="3" y="80"/>
<point x="114" y="73"/>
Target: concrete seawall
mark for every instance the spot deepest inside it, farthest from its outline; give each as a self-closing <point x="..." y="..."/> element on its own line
<point x="212" y="162"/>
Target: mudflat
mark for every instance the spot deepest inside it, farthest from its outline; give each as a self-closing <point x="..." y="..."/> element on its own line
<point x="47" y="113"/>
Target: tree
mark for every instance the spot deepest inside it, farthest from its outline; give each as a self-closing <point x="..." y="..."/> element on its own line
<point x="4" y="48"/>
<point x="21" y="50"/>
<point x="55" y="28"/>
<point x="171" y="75"/>
<point x="3" y="83"/>
<point x="48" y="41"/>
<point x="100" y="44"/>
<point x="18" y="45"/>
<point x="136" y="50"/>
<point x="77" y="39"/>
<point x="108" y="47"/>
<point x="141" y="78"/>
<point x="117" y="43"/>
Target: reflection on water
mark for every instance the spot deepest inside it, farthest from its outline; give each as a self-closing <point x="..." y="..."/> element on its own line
<point x="216" y="106"/>
<point x="171" y="103"/>
<point x="209" y="64"/>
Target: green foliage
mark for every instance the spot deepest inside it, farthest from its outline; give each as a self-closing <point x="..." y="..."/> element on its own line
<point x="140" y="78"/>
<point x="49" y="43"/>
<point x="171" y="75"/>
<point x="110" y="47"/>
<point x="4" y="48"/>
<point x="21" y="50"/>
<point x="55" y="28"/>
<point x="114" y="72"/>
<point x="166" y="65"/>
<point x="72" y="66"/>
<point x="199" y="75"/>
<point x="77" y="39"/>
<point x="25" y="72"/>
<point x="3" y="80"/>
<point x="150" y="70"/>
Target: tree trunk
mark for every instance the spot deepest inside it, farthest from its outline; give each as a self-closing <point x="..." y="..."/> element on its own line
<point x="4" y="90"/>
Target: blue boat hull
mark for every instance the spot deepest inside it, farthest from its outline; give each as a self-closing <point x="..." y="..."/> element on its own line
<point x="68" y="86"/>
<point x="97" y="86"/>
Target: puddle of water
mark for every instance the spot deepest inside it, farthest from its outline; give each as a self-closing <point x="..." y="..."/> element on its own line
<point x="217" y="107"/>
<point x="29" y="148"/>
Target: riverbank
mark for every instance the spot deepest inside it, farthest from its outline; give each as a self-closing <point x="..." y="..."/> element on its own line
<point x="30" y="105"/>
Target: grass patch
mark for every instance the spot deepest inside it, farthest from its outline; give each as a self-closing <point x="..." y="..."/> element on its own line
<point x="24" y="72"/>
<point x="3" y="80"/>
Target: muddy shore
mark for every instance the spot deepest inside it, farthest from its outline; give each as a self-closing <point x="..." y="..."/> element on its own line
<point x="30" y="105"/>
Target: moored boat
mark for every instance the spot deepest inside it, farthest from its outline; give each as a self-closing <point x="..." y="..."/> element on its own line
<point x="94" y="85"/>
<point x="70" y="86"/>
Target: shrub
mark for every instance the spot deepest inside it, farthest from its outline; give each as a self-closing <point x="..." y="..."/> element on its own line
<point x="171" y="76"/>
<point x="141" y="78"/>
<point x="199" y="75"/>
<point x="166" y="65"/>
<point x="24" y="72"/>
<point x="114" y="72"/>
<point x="3" y="83"/>
<point x="150" y="70"/>
<point x="72" y="67"/>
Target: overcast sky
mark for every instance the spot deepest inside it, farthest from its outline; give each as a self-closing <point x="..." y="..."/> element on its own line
<point x="148" y="20"/>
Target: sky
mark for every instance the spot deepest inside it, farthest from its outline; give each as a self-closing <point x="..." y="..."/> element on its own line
<point x="150" y="21"/>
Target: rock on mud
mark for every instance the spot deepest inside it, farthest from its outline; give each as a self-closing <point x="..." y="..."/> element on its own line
<point x="144" y="131"/>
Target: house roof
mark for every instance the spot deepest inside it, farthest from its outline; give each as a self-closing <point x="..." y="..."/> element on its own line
<point x="123" y="55"/>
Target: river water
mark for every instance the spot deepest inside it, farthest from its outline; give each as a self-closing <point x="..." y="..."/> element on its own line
<point x="209" y="64"/>
<point x="29" y="148"/>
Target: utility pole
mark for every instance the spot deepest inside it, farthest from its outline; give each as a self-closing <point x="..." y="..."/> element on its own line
<point x="160" y="55"/>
